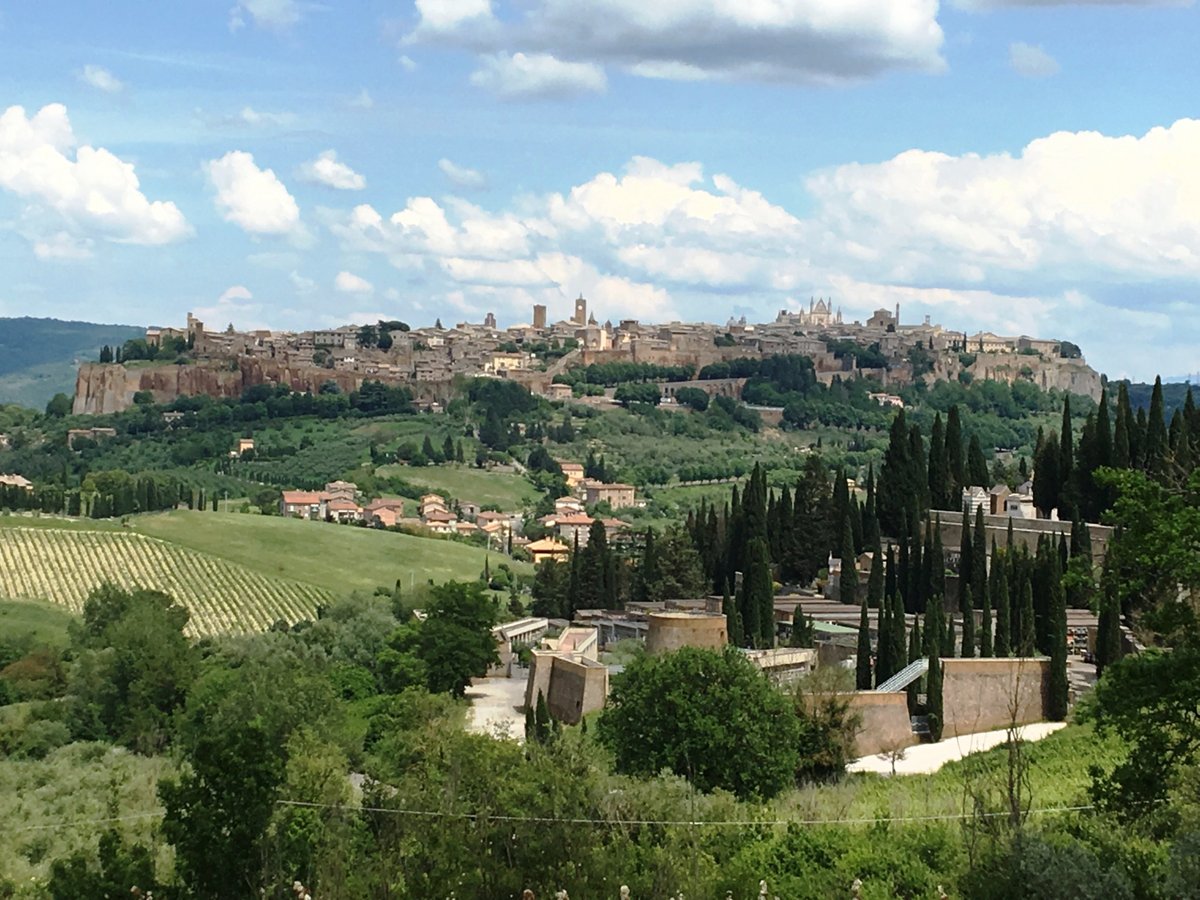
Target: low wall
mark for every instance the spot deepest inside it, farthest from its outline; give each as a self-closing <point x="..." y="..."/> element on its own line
<point x="884" y="722"/>
<point x="989" y="694"/>
<point x="671" y="631"/>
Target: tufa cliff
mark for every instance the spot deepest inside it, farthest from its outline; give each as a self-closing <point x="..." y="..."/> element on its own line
<point x="102" y="388"/>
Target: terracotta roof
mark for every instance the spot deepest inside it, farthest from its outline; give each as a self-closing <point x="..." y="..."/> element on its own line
<point x="440" y="517"/>
<point x="580" y="519"/>
<point x="491" y="516"/>
<point x="547" y="545"/>
<point x="342" y="506"/>
<point x="302" y="498"/>
<point x="385" y="503"/>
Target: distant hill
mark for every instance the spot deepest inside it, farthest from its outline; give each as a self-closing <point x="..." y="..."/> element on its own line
<point x="38" y="357"/>
<point x="1174" y="395"/>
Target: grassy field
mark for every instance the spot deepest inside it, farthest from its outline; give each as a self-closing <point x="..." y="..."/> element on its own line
<point x="43" y="623"/>
<point x="508" y="491"/>
<point x="334" y="558"/>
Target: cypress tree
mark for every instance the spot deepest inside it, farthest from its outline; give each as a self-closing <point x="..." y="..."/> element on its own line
<point x="927" y="569"/>
<point x="895" y="490"/>
<point x="862" y="666"/>
<point x="904" y="566"/>
<point x="870" y="513"/>
<point x="856" y="525"/>
<point x="979" y="557"/>
<point x="933" y="681"/>
<point x="1066" y="464"/>
<point x="976" y="464"/>
<point x="733" y="621"/>
<point x="955" y="467"/>
<point x="875" y="584"/>
<point x="1121" y="451"/>
<point x="967" y="608"/>
<point x="938" y="468"/>
<point x="1156" y="433"/>
<point x="848" y="580"/>
<point x="1102" y="457"/>
<point x="914" y="653"/>
<point x="896" y="634"/>
<point x="966" y="568"/>
<point x="1002" y="641"/>
<point x="916" y="572"/>
<point x="1138" y="435"/>
<point x="1027" y="645"/>
<point x="1108" y="634"/>
<point x="985" y="627"/>
<point x="889" y="573"/>
<point x="917" y="470"/>
<point x="937" y="587"/>
<point x="802" y="629"/>
<point x="885" y="666"/>
<point x="1058" y="699"/>
<point x="951" y="648"/>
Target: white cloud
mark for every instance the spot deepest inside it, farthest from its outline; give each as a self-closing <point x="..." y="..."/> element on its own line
<point x="328" y="171"/>
<point x="254" y="199"/>
<point x="302" y="284"/>
<point x="797" y="41"/>
<point x="362" y="100"/>
<point x="349" y="283"/>
<point x="63" y="245"/>
<point x="461" y="176"/>
<point x="258" y="119"/>
<point x="976" y="5"/>
<point x="237" y="292"/>
<point x="1031" y="61"/>
<point x="101" y="79"/>
<point x="407" y="63"/>
<point x="537" y="76"/>
<point x="94" y="193"/>
<point x="1070" y="203"/>
<point x="276" y="15"/>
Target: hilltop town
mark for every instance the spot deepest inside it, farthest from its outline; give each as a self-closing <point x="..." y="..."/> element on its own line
<point x="192" y="360"/>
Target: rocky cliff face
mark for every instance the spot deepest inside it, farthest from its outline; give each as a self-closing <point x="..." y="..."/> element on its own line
<point x="102" y="388"/>
<point x="1073" y="375"/>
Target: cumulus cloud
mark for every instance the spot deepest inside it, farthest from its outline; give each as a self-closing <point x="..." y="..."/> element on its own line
<point x="537" y="76"/>
<point x="349" y="283"/>
<point x="302" y="284"/>
<point x="328" y="171"/>
<point x="63" y="245"/>
<point x="461" y="176"/>
<point x="796" y="41"/>
<point x="248" y="115"/>
<point x="254" y="199"/>
<point x="101" y="79"/>
<point x="362" y="100"/>
<point x="235" y="293"/>
<point x="276" y="15"/>
<point x="91" y="191"/>
<point x="1031" y="61"/>
<point x="1053" y="240"/>
<point x="975" y="5"/>
<point x="237" y="306"/>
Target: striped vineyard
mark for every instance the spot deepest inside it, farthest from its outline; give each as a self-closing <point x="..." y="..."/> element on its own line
<point x="223" y="598"/>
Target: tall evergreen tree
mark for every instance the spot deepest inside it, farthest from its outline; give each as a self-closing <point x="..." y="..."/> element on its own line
<point x="914" y="653"/>
<point x="895" y="490"/>
<point x="1058" y="690"/>
<point x="937" y="586"/>
<point x="733" y="620"/>
<point x="870" y="513"/>
<point x="955" y="459"/>
<point x="979" y="557"/>
<point x="848" y="580"/>
<point x="1046" y="488"/>
<point x="889" y="572"/>
<point x="939" y="470"/>
<point x="951" y="648"/>
<point x="896" y="634"/>
<point x="1156" y="433"/>
<point x="1121" y="455"/>
<point x="933" y="681"/>
<point x="1138" y="435"/>
<point x="1027" y="645"/>
<point x="977" y="470"/>
<point x="985" y="627"/>
<point x="885" y="665"/>
<point x="917" y="470"/>
<point x="966" y="567"/>
<point x="862" y="666"/>
<point x="1066" y="464"/>
<point x="875" y="583"/>
<point x="916" y="574"/>
<point x="1108" y="634"/>
<point x="967" y="608"/>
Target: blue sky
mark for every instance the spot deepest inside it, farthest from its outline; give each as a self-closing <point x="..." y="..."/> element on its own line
<point x="1024" y="167"/>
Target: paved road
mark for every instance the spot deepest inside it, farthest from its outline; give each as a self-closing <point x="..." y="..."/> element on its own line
<point x="925" y="758"/>
<point x="496" y="705"/>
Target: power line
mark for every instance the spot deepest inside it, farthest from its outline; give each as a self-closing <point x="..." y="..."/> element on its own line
<point x="727" y="823"/>
<point x="79" y="823"/>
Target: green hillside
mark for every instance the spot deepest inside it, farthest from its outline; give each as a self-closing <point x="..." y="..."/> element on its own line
<point x="508" y="491"/>
<point x="39" y="357"/>
<point x="335" y="558"/>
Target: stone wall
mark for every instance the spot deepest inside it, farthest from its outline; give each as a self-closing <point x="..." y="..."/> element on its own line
<point x="1026" y="532"/>
<point x="673" y="630"/>
<point x="577" y="687"/>
<point x="884" y="722"/>
<point x="989" y="694"/>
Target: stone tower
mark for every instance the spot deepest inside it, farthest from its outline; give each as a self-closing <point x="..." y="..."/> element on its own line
<point x="580" y="317"/>
<point x="539" y="316"/>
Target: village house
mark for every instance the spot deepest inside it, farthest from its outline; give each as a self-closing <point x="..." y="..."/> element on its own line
<point x="558" y="392"/>
<point x="573" y="472"/>
<point x="432" y="503"/>
<point x="342" y="490"/>
<point x="617" y="496"/>
<point x="244" y="446"/>
<point x="343" y="511"/>
<point x="440" y="522"/>
<point x="16" y="481"/>
<point x="302" y="505"/>
<point x="468" y="509"/>
<point x="573" y="528"/>
<point x="548" y="548"/>
<point x="565" y="506"/>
